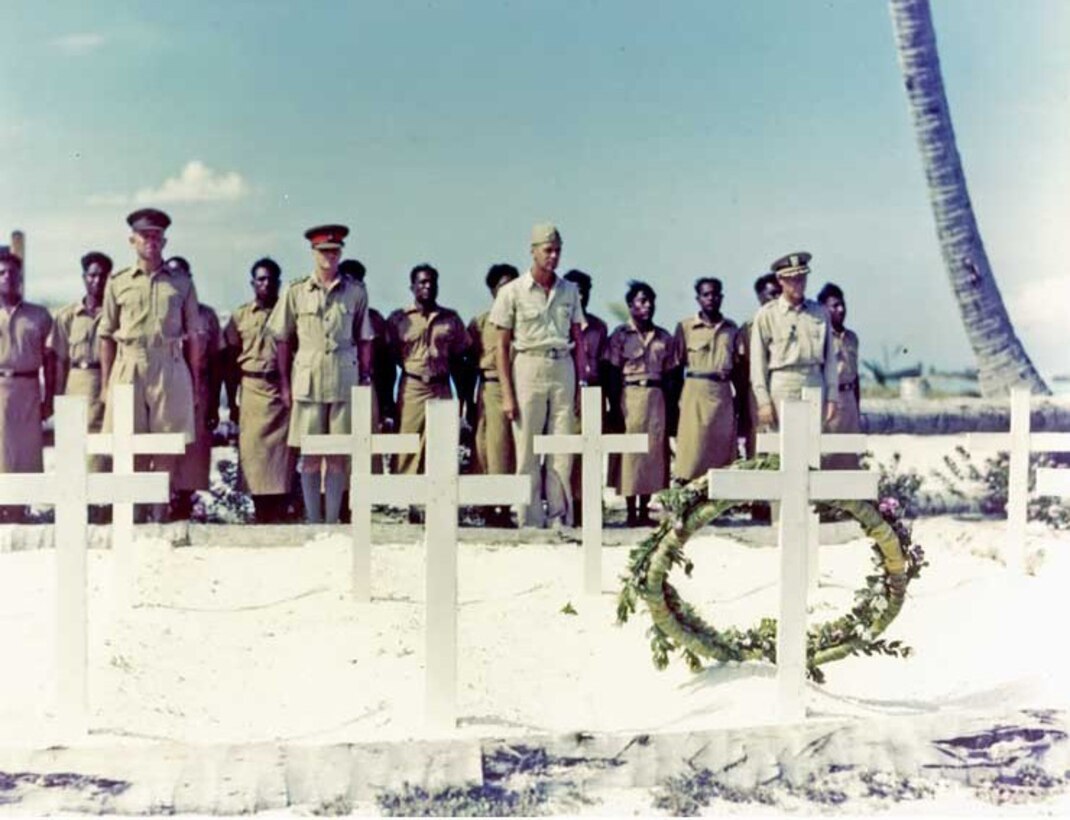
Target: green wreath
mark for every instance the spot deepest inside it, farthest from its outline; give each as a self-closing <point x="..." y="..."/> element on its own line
<point x="677" y="627"/>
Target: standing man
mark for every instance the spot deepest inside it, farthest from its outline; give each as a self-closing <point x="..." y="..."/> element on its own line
<point x="149" y="312"/>
<point x="195" y="469"/>
<point x="326" y="316"/>
<point x="706" y="347"/>
<point x="541" y="320"/>
<point x="266" y="460"/>
<point x="791" y="345"/>
<point x="24" y="330"/>
<point x="495" y="453"/>
<point x="76" y="349"/>
<point x="766" y="288"/>
<point x="845" y="349"/>
<point x="594" y="339"/>
<point x="428" y="343"/>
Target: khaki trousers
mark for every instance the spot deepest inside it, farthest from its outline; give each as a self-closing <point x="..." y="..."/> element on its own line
<point x="546" y="398"/>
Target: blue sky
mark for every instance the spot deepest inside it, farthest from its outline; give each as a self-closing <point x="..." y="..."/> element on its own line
<point x="669" y="141"/>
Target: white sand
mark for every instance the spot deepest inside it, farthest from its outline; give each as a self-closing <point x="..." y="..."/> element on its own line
<point x="234" y="643"/>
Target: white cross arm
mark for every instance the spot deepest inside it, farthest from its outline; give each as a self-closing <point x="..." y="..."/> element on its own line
<point x="494" y="489"/>
<point x="1052" y="481"/>
<point x="27" y="488"/>
<point x="829" y="443"/>
<point x="607" y="443"/>
<point x="833" y="485"/>
<point x="341" y="444"/>
<point x="1049" y="442"/>
<point x="129" y="488"/>
<point x="744" y="485"/>
<point x="1038" y="442"/>
<point x="103" y="444"/>
<point x="397" y="489"/>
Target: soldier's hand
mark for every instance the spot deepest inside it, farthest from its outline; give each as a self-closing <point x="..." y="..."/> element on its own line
<point x="766" y="417"/>
<point x="832" y="409"/>
<point x="509" y="408"/>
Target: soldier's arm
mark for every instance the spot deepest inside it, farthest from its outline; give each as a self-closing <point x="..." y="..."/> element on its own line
<point x="57" y="344"/>
<point x="229" y="366"/>
<point x="505" y="373"/>
<point x="740" y="380"/>
<point x="282" y="362"/>
<point x="109" y="323"/>
<point x="579" y="353"/>
<point x="195" y="349"/>
<point x="50" y="378"/>
<point x="759" y="381"/>
<point x="832" y="378"/>
<point x="107" y="359"/>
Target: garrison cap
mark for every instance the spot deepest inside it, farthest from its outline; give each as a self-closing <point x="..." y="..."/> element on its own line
<point x="100" y="258"/>
<point x="544" y="233"/>
<point x="794" y="264"/>
<point x="148" y="219"/>
<point x="327" y="236"/>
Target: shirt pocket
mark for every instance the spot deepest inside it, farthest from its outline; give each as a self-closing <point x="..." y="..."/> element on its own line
<point x="302" y="381"/>
<point x="167" y="306"/>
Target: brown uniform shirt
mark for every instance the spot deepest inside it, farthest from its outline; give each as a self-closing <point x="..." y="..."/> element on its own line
<point x="24" y="333"/>
<point x="705" y="348"/>
<point x="641" y="356"/>
<point x="326" y="321"/>
<point x="423" y="345"/>
<point x="791" y="338"/>
<point x="139" y="307"/>
<point x="595" y="336"/>
<point x="74" y="336"/>
<point x="247" y="333"/>
<point x="483" y="338"/>
<point x="845" y="348"/>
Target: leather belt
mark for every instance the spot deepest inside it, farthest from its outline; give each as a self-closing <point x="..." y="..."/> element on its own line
<point x="710" y="377"/>
<point x="427" y="379"/>
<point x="644" y="383"/>
<point x="18" y="374"/>
<point x="489" y="379"/>
<point x="269" y="376"/>
<point x="547" y="353"/>
<point x="851" y="385"/>
<point x="85" y="365"/>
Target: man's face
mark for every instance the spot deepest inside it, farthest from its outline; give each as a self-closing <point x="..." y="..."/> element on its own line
<point x="95" y="278"/>
<point x="794" y="288"/>
<point x="708" y="298"/>
<point x="503" y="281"/>
<point x="10" y="279"/>
<point x="149" y="245"/>
<point x="641" y="308"/>
<point x="837" y="309"/>
<point x="546" y="256"/>
<point x="327" y="260"/>
<point x="424" y="288"/>
<point x="770" y="291"/>
<point x="265" y="286"/>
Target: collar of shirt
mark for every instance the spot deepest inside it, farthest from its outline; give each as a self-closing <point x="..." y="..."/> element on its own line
<point x="785" y="307"/>
<point x="699" y="319"/>
<point x="645" y="338"/>
<point x="414" y="308"/>
<point x="314" y="283"/>
<point x="85" y="311"/>
<point x="528" y="280"/>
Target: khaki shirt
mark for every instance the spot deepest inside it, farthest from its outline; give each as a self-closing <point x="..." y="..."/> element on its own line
<point x="539" y="320"/>
<point x="326" y="321"/>
<point x="74" y="336"/>
<point x="705" y="348"/>
<point x="247" y="333"/>
<point x="595" y="336"/>
<point x="423" y="345"/>
<point x="483" y="338"/>
<point x="791" y="338"/>
<point x="845" y="348"/>
<point x="647" y="355"/>
<point x="24" y="333"/>
<point x="139" y="307"/>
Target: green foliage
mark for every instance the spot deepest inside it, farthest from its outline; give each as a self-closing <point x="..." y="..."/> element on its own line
<point x="987" y="483"/>
<point x="568" y="609"/>
<point x="475" y="801"/>
<point x="227" y="502"/>
<point x="895" y="482"/>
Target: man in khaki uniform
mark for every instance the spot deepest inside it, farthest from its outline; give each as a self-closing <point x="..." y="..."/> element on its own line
<point x="428" y="343"/>
<point x="848" y="419"/>
<point x="791" y="345"/>
<point x="77" y="352"/>
<point x="266" y="460"/>
<point x="706" y="347"/>
<point x="540" y="318"/>
<point x="24" y="329"/>
<point x="644" y="366"/>
<point x="194" y="471"/>
<point x="766" y="288"/>
<point x="594" y="339"/>
<point x="495" y="453"/>
<point x="326" y="316"/>
<point x="149" y="313"/>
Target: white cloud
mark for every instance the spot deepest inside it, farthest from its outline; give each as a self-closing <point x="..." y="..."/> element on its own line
<point x="1038" y="310"/>
<point x="80" y="43"/>
<point x="195" y="183"/>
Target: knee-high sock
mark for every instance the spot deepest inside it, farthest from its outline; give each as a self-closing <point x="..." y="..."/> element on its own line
<point x="310" y="490"/>
<point x="336" y="485"/>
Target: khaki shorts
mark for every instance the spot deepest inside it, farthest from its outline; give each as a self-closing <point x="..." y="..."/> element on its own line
<point x="309" y="418"/>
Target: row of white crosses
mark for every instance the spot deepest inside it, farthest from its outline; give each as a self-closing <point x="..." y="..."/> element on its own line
<point x="70" y="489"/>
<point x="1021" y="442"/>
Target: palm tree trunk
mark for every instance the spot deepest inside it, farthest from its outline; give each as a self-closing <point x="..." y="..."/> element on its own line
<point x="1001" y="359"/>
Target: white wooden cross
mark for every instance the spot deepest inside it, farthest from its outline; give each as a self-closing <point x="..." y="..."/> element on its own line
<point x="122" y="444"/>
<point x="592" y="445"/>
<point x="795" y="485"/>
<point x="1053" y="481"/>
<point x="1020" y="442"/>
<point x="360" y="445"/>
<point x="820" y="444"/>
<point x="70" y="489"/>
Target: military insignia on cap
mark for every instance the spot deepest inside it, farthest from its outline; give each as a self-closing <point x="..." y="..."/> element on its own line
<point x="544" y="233"/>
<point x="148" y="219"/>
<point x="327" y="236"/>
<point x="793" y="264"/>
